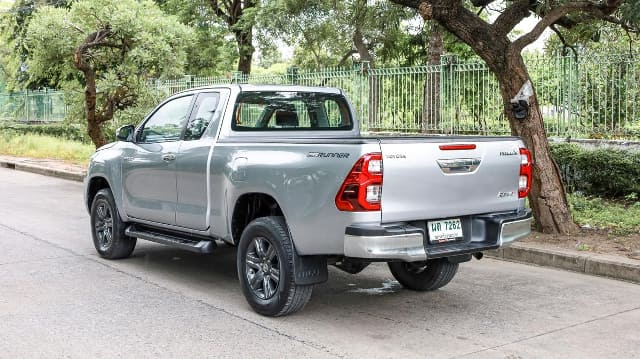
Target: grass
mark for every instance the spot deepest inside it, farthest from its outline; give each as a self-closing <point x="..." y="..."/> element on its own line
<point x="620" y="217"/>
<point x="41" y="146"/>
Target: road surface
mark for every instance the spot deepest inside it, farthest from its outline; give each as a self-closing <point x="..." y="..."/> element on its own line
<point x="59" y="299"/>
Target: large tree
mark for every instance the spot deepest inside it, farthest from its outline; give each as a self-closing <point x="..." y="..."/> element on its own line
<point x="110" y="47"/>
<point x="240" y="17"/>
<point x="492" y="42"/>
<point x="210" y="54"/>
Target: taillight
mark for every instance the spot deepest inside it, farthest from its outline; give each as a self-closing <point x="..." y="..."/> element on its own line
<point x="362" y="189"/>
<point x="524" y="182"/>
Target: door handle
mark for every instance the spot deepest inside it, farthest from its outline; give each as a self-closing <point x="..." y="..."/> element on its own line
<point x="168" y="157"/>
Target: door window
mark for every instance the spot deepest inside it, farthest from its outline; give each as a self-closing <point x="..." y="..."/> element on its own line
<point x="205" y="112"/>
<point x="167" y="122"/>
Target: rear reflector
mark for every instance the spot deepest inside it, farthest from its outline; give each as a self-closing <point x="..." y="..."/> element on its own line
<point x="362" y="189"/>
<point x="524" y="182"/>
<point x="458" y="147"/>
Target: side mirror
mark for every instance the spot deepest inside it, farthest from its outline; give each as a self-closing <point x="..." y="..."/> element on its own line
<point x="125" y="133"/>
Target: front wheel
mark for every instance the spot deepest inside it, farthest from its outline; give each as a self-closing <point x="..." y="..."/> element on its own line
<point x="266" y="268"/>
<point x="107" y="229"/>
<point x="424" y="276"/>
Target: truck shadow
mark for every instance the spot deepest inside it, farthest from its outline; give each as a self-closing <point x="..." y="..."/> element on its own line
<point x="362" y="294"/>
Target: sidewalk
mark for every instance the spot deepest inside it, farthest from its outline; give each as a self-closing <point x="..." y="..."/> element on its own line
<point x="47" y="167"/>
<point x="612" y="266"/>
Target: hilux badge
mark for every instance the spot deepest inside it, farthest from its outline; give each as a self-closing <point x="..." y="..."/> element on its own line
<point x="506" y="194"/>
<point x="509" y="153"/>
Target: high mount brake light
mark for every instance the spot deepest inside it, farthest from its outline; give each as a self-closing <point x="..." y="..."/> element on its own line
<point x="524" y="181"/>
<point x="362" y="188"/>
<point x="458" y="147"/>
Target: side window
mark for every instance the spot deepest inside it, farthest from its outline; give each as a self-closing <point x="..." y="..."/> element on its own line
<point x="205" y="112"/>
<point x="167" y="122"/>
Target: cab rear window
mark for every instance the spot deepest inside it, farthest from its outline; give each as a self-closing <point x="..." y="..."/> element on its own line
<point x="291" y="111"/>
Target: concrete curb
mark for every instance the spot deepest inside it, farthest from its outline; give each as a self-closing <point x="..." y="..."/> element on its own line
<point x="33" y="168"/>
<point x="588" y="263"/>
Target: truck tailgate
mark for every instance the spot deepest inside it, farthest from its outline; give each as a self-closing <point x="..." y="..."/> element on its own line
<point x="430" y="178"/>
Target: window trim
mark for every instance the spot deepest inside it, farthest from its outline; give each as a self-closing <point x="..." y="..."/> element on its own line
<point x="192" y="113"/>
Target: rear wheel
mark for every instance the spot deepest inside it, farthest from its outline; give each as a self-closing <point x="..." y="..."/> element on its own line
<point x="424" y="276"/>
<point x="266" y="268"/>
<point x="107" y="229"/>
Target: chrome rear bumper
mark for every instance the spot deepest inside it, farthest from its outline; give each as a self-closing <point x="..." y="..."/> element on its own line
<point x="409" y="242"/>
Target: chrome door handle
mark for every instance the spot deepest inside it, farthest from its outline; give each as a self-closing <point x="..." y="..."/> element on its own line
<point x="168" y="157"/>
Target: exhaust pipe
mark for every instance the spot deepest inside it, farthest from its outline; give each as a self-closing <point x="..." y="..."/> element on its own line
<point x="478" y="255"/>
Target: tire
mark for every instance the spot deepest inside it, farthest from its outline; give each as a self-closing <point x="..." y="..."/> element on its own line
<point x="107" y="228"/>
<point x="266" y="248"/>
<point x="424" y="276"/>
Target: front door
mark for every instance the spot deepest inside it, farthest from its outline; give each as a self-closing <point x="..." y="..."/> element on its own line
<point x="149" y="165"/>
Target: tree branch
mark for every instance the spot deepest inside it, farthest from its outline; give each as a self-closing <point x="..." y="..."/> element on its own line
<point x="218" y="11"/>
<point x="76" y="27"/>
<point x="598" y="10"/>
<point x="565" y="44"/>
<point x="511" y="17"/>
<point x="409" y="3"/>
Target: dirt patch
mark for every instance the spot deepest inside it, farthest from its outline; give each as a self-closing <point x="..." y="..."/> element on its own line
<point x="591" y="240"/>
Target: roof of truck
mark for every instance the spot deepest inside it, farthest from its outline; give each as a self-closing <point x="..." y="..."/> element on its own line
<point x="253" y="88"/>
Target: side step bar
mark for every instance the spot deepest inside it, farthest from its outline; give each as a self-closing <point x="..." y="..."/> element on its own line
<point x="197" y="246"/>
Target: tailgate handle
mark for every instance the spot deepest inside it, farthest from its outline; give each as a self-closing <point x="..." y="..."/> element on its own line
<point x="459" y="165"/>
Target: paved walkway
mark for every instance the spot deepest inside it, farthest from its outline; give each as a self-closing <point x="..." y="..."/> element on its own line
<point x="613" y="266"/>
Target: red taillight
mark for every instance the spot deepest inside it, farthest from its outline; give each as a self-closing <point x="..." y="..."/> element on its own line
<point x="458" y="147"/>
<point x="524" y="181"/>
<point x="362" y="189"/>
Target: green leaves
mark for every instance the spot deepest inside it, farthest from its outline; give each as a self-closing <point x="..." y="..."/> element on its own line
<point x="123" y="43"/>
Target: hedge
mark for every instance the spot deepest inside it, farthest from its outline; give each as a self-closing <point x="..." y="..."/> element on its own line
<point x="603" y="172"/>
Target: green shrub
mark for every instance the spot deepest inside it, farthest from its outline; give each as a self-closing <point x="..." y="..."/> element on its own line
<point x="611" y="173"/>
<point x="63" y="130"/>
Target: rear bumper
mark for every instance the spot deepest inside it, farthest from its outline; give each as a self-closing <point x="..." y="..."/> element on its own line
<point x="409" y="242"/>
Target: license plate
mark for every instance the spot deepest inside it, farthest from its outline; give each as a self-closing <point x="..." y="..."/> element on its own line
<point x="445" y="230"/>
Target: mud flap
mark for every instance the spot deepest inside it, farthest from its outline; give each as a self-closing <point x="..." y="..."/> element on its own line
<point x="310" y="269"/>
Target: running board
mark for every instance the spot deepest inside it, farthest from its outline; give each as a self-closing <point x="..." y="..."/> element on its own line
<point x="197" y="246"/>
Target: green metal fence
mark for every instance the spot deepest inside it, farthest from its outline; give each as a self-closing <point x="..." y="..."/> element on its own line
<point x="33" y="106"/>
<point x="589" y="96"/>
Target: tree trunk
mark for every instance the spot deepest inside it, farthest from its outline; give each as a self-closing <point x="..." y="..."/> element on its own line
<point x="431" y="97"/>
<point x="374" y="91"/>
<point x="245" y="50"/>
<point x="548" y="199"/>
<point x="94" y="128"/>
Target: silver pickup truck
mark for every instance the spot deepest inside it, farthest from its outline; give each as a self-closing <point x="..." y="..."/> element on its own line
<point x="283" y="173"/>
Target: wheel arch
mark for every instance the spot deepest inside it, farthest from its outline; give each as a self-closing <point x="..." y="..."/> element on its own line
<point x="250" y="206"/>
<point x="94" y="185"/>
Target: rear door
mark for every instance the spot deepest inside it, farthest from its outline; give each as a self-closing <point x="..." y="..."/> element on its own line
<point x="149" y="165"/>
<point x="431" y="178"/>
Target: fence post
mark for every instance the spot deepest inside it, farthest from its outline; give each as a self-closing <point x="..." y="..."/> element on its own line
<point x="237" y="77"/>
<point x="447" y="95"/>
<point x="292" y="75"/>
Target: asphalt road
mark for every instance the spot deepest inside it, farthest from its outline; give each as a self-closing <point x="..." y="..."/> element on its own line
<point x="58" y="299"/>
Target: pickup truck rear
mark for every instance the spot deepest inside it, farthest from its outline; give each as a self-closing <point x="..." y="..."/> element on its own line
<point x="283" y="173"/>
